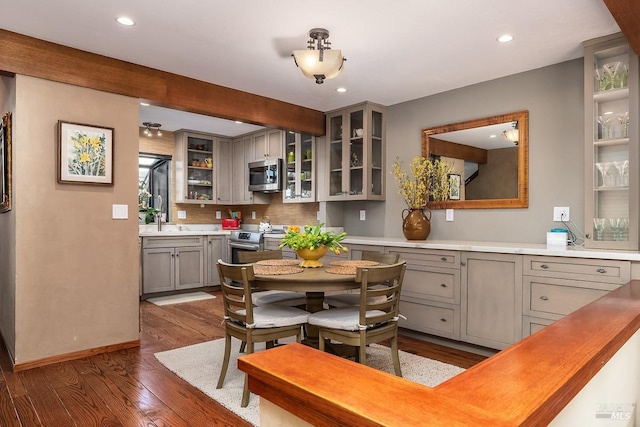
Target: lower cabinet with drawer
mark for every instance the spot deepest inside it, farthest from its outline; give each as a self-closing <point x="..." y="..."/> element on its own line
<point x="554" y="287"/>
<point x="172" y="263"/>
<point x="430" y="298"/>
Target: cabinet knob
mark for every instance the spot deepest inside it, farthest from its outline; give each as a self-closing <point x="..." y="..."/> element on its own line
<point x="544" y="266"/>
<point x="601" y="270"/>
<point x="442" y="285"/>
<point x="462" y="263"/>
<point x="443" y="259"/>
<point x="443" y="320"/>
<point x="544" y="298"/>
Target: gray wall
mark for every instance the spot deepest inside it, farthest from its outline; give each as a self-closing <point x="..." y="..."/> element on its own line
<point x="554" y="97"/>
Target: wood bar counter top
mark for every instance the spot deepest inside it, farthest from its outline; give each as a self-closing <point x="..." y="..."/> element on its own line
<point x="526" y="384"/>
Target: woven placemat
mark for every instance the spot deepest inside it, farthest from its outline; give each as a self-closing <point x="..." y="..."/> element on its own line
<point x="354" y="263"/>
<point x="347" y="270"/>
<point x="278" y="262"/>
<point x="272" y="270"/>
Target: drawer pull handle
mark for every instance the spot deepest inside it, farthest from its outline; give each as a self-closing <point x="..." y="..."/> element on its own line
<point x="544" y="298"/>
<point x="443" y="259"/>
<point x="443" y="320"/>
<point x="462" y="263"/>
<point x="442" y="285"/>
<point x="544" y="266"/>
<point x="601" y="270"/>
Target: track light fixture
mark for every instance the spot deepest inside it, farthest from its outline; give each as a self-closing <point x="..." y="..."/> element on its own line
<point x="152" y="126"/>
<point x="319" y="61"/>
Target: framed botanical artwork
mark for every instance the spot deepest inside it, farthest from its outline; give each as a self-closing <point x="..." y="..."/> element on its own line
<point x="5" y="163"/>
<point x="454" y="186"/>
<point x="85" y="154"/>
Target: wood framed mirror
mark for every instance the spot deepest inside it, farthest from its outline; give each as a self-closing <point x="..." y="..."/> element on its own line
<point x="491" y="154"/>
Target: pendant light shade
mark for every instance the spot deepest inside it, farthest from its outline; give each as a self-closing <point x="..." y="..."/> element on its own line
<point x="512" y="135"/>
<point x="319" y="62"/>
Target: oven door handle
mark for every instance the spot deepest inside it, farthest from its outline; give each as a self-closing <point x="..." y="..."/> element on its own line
<point x="247" y="246"/>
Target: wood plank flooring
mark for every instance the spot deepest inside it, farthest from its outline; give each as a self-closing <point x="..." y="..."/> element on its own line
<point x="130" y="387"/>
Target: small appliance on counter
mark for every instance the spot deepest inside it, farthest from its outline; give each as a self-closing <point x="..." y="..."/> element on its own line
<point x="265" y="225"/>
<point x="232" y="223"/>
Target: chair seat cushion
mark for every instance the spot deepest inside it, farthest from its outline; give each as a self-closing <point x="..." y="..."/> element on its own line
<point x="275" y="316"/>
<point x="345" y="318"/>
<point x="290" y="299"/>
<point x="348" y="300"/>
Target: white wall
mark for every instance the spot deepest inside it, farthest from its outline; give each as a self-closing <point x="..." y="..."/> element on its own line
<point x="554" y="97"/>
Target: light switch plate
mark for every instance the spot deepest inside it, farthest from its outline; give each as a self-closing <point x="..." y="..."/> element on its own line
<point x="182" y="214"/>
<point x="363" y="214"/>
<point x="218" y="215"/>
<point x="449" y="215"/>
<point x="119" y="212"/>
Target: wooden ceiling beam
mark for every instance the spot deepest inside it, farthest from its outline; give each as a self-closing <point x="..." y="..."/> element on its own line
<point x="29" y="56"/>
<point x="627" y="15"/>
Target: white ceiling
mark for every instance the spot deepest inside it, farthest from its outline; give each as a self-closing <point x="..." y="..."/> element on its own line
<point x="396" y="50"/>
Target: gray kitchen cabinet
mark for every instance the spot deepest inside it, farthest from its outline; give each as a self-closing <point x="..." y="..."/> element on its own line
<point x="172" y="263"/>
<point x="224" y="172"/>
<point x="491" y="299"/>
<point x="555" y="287"/>
<point x="242" y="154"/>
<point x="272" y="243"/>
<point x="268" y="144"/>
<point x="354" y="154"/>
<point x="430" y="298"/>
<point x="300" y="168"/>
<point x="216" y="248"/>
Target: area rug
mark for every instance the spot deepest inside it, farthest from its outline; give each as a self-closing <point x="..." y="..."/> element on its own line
<point x="200" y="365"/>
<point x="180" y="298"/>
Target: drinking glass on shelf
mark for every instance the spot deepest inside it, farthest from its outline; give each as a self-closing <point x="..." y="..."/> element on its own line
<point x="604" y="168"/>
<point x="602" y="80"/>
<point x="624" y="229"/>
<point x="612" y="69"/>
<point x="623" y="118"/>
<point x="616" y="226"/>
<point x="620" y="77"/>
<point x="598" y="226"/>
<point x="623" y="172"/>
<point x="605" y="122"/>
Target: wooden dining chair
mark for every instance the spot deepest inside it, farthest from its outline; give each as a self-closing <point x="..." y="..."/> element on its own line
<point x="374" y="320"/>
<point x="351" y="299"/>
<point x="291" y="299"/>
<point x="251" y="324"/>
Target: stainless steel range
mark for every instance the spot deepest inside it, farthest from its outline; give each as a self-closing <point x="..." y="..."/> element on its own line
<point x="245" y="241"/>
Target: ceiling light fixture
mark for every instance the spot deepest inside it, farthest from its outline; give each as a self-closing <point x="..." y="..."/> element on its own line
<point x="341" y="89"/>
<point x="506" y="38"/>
<point x="319" y="61"/>
<point x="123" y="20"/>
<point x="512" y="135"/>
<point x="152" y="126"/>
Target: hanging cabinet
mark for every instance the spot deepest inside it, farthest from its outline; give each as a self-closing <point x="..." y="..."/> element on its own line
<point x="611" y="144"/>
<point x="300" y="170"/>
<point x="203" y="168"/>
<point x="355" y="154"/>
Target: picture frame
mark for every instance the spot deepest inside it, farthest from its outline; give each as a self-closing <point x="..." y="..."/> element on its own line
<point x="454" y="186"/>
<point x="6" y="168"/>
<point x="85" y="154"/>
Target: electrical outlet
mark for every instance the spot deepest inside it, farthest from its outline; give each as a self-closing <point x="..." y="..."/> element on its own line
<point x="218" y="215"/>
<point x="363" y="215"/>
<point x="449" y="215"/>
<point x="253" y="214"/>
<point x="561" y="214"/>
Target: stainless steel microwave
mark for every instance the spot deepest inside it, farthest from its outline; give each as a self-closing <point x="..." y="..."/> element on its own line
<point x="265" y="175"/>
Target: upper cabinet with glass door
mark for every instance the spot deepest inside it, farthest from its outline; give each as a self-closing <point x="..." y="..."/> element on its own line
<point x="355" y="154"/>
<point x="300" y="168"/>
<point x="611" y="138"/>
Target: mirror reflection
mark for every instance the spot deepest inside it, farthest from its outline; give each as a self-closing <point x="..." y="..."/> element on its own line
<point x="489" y="154"/>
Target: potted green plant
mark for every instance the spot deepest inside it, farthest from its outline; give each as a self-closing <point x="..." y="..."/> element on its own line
<point x="311" y="243"/>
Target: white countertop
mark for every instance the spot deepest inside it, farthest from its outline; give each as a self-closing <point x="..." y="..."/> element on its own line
<point x="171" y="230"/>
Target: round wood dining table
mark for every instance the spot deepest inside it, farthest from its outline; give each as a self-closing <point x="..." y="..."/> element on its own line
<point x="314" y="282"/>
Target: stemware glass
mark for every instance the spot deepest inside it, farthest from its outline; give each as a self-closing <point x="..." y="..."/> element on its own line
<point x="602" y="79"/>
<point x="616" y="225"/>
<point x="623" y="229"/>
<point x="623" y="118"/>
<point x="600" y="167"/>
<point x="598" y="225"/>
<point x="605" y="126"/>
<point x="623" y="172"/>
<point x="620" y="77"/>
<point x="612" y="69"/>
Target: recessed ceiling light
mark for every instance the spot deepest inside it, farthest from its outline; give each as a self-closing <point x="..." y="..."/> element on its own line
<point x="506" y="38"/>
<point x="125" y="21"/>
<point x="341" y="89"/>
<point x="238" y="122"/>
<point x="493" y="136"/>
<point x="145" y="104"/>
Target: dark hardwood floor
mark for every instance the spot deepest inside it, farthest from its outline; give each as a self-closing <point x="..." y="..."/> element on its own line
<point x="130" y="387"/>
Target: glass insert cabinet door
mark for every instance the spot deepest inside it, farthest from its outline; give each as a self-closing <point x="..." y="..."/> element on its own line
<point x="611" y="138"/>
<point x="355" y="155"/>
<point x="300" y="168"/>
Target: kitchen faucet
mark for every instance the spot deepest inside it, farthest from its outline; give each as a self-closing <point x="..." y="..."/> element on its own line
<point x="159" y="220"/>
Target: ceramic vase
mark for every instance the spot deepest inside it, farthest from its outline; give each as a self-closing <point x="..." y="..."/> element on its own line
<point x="415" y="224"/>
<point x="310" y="257"/>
